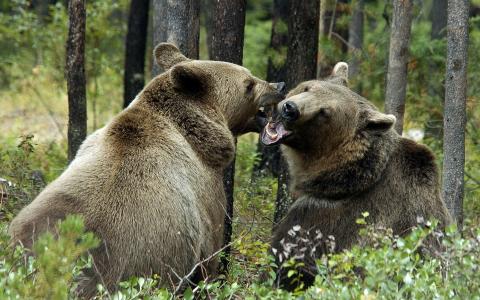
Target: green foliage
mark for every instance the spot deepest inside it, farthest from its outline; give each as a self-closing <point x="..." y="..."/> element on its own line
<point x="254" y="200"/>
<point x="257" y="41"/>
<point x="50" y="274"/>
<point x="26" y="165"/>
<point x="30" y="45"/>
<point x="382" y="266"/>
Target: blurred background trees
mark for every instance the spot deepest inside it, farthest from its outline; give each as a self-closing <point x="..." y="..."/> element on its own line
<point x="135" y="46"/>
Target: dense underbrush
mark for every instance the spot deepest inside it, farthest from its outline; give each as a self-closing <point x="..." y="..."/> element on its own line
<point x="382" y="266"/>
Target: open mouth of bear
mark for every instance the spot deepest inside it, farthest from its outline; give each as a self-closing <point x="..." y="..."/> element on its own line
<point x="273" y="133"/>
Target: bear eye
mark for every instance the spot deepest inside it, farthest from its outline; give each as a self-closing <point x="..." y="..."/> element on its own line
<point x="306" y="89"/>
<point x="324" y="113"/>
<point x="250" y="86"/>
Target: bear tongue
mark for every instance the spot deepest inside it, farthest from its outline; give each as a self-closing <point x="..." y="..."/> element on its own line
<point x="273" y="132"/>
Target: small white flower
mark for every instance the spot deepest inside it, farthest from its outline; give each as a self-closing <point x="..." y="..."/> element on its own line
<point x="408" y="279"/>
<point x="296" y="228"/>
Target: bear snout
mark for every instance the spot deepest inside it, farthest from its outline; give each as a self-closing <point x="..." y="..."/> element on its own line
<point x="290" y="111"/>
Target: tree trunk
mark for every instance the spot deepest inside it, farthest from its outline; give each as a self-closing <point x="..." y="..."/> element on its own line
<point x="398" y="60"/>
<point x="75" y="72"/>
<point x="355" y="37"/>
<point x="227" y="45"/>
<point x="135" y="44"/>
<point x="177" y="22"/>
<point x="42" y="8"/>
<point x="455" y="108"/>
<point x="270" y="156"/>
<point x="300" y="66"/>
<point x="228" y="30"/>
<point x="438" y="17"/>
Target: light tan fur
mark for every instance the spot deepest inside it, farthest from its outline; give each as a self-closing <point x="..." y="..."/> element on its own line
<point x="149" y="183"/>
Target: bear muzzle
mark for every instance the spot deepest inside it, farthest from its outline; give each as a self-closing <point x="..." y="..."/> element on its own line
<point x="290" y="112"/>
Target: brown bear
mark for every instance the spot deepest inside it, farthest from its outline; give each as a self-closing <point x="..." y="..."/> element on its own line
<point x="149" y="183"/>
<point x="345" y="158"/>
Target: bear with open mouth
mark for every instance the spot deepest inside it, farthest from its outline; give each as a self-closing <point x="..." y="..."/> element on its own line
<point x="345" y="158"/>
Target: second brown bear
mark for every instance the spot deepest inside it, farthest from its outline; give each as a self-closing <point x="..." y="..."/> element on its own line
<point x="345" y="158"/>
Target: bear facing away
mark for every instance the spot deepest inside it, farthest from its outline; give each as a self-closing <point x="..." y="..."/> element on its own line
<point x="149" y="183"/>
<point x="345" y="158"/>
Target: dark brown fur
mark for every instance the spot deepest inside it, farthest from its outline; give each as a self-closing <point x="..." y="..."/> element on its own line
<point x="345" y="164"/>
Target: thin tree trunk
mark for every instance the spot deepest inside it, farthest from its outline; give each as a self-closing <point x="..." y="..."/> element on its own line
<point x="177" y="22"/>
<point x="75" y="72"/>
<point x="398" y="60"/>
<point x="227" y="45"/>
<point x="300" y="66"/>
<point x="438" y="17"/>
<point x="42" y="8"/>
<point x="270" y="156"/>
<point x="355" y="37"/>
<point x="455" y="108"/>
<point x="135" y="45"/>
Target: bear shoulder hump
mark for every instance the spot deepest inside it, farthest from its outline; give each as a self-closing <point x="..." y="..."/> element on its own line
<point x="418" y="161"/>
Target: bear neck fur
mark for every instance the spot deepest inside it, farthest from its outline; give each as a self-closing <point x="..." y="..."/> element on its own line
<point x="205" y="129"/>
<point x="348" y="171"/>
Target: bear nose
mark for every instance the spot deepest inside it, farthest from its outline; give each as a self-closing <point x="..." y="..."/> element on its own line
<point x="290" y="111"/>
<point x="280" y="87"/>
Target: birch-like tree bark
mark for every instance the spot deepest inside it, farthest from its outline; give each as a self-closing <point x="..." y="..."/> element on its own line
<point x="455" y="107"/>
<point x="398" y="60"/>
<point x="75" y="72"/>
<point x="135" y="44"/>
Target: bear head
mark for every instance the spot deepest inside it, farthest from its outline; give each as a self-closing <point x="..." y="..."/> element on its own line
<point x="320" y="115"/>
<point x="228" y="88"/>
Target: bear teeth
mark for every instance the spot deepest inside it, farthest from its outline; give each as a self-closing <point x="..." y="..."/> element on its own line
<point x="271" y="134"/>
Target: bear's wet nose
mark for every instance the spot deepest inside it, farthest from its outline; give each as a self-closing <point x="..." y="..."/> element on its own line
<point x="290" y="111"/>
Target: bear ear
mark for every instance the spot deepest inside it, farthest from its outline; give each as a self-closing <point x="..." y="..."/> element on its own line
<point x="167" y="55"/>
<point x="340" y="73"/>
<point x="377" y="121"/>
<point x="189" y="79"/>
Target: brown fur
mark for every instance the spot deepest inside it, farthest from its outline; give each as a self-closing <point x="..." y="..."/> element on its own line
<point x="149" y="183"/>
<point x="345" y="158"/>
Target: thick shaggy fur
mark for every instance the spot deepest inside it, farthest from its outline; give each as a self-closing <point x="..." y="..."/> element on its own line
<point x="149" y="183"/>
<point x="345" y="158"/>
